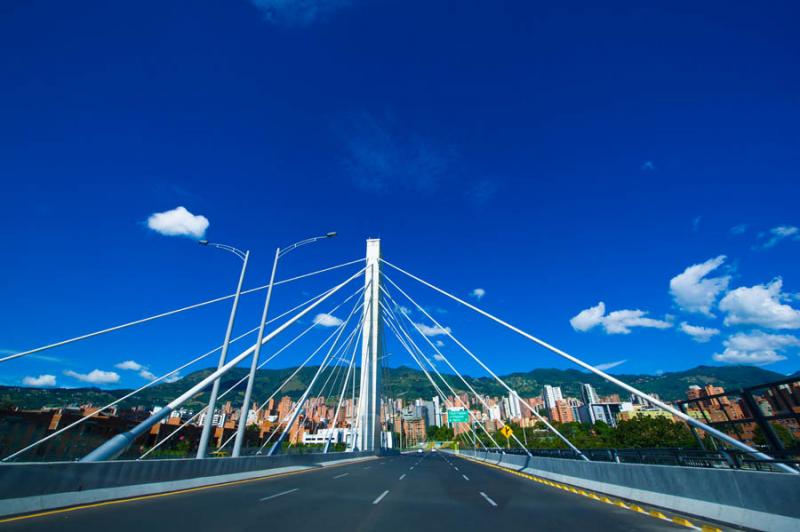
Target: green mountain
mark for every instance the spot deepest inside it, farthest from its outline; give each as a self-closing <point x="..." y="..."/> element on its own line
<point x="404" y="382"/>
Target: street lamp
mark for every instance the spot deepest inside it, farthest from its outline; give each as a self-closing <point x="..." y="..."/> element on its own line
<point x="240" y="429"/>
<point x="244" y="256"/>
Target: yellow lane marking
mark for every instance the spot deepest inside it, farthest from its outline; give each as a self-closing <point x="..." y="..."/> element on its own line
<point x="168" y="493"/>
<point x="602" y="498"/>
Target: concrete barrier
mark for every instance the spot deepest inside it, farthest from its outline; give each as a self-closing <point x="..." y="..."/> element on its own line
<point x="33" y="487"/>
<point x="751" y="499"/>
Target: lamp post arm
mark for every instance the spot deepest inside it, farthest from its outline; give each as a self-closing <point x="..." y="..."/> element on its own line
<point x="238" y="252"/>
<point x="296" y="245"/>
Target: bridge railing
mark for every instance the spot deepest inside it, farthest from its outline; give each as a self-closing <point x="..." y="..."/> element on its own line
<point x="753" y="500"/>
<point x="720" y="459"/>
<point x="31" y="487"/>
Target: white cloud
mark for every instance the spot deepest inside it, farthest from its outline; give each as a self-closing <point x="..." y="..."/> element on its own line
<point x="382" y="157"/>
<point x="47" y="358"/>
<point x="327" y="320"/>
<point x="297" y="13"/>
<point x="439" y="343"/>
<point x="617" y="322"/>
<point x="739" y="229"/>
<point x="141" y="369"/>
<point x="438" y="357"/>
<point x="698" y="333"/>
<point x="760" y="305"/>
<point x="609" y="365"/>
<point x="131" y="365"/>
<point x="693" y="292"/>
<point x="648" y="166"/>
<point x="756" y="348"/>
<point x="41" y="380"/>
<point x="178" y="222"/>
<point x="427" y="330"/>
<point x="478" y="293"/>
<point x="621" y="321"/>
<point x="173" y="378"/>
<point x="588" y="318"/>
<point x="96" y="376"/>
<point x="481" y="192"/>
<point x="776" y="234"/>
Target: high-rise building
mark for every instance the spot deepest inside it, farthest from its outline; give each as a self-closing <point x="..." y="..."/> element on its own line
<point x="588" y="394"/>
<point x="603" y="412"/>
<point x="437" y="411"/>
<point x="429" y="413"/>
<point x="551" y="394"/>
<point x="562" y="412"/>
<point x="514" y="407"/>
<point x="505" y="408"/>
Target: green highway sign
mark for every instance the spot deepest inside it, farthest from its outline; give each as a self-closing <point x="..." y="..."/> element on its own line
<point x="457" y="416"/>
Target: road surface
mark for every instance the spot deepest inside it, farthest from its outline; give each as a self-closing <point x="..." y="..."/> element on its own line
<point x="420" y="492"/>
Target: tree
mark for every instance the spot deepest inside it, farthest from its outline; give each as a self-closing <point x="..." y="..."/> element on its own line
<point x="641" y="431"/>
<point x="783" y="434"/>
<point x="439" y="433"/>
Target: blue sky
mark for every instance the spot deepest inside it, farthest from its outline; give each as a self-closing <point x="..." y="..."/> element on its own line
<point x="555" y="158"/>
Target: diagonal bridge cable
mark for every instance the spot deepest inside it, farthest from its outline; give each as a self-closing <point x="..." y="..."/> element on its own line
<point x="405" y="345"/>
<point x="168" y="313"/>
<point x="153" y="382"/>
<point x="119" y="443"/>
<point x="261" y="365"/>
<point x="664" y="406"/>
<point x="488" y="370"/>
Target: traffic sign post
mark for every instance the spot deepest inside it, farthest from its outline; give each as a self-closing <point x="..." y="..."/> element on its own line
<point x="458" y="415"/>
<point x="507" y="432"/>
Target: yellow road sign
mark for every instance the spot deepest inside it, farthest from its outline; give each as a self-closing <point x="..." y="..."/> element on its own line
<point x="506" y="431"/>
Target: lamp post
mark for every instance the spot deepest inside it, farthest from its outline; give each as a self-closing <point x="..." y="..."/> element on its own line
<point x="206" y="434"/>
<point x="243" y="413"/>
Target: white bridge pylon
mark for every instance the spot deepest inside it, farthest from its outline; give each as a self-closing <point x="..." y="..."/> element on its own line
<point x="368" y="424"/>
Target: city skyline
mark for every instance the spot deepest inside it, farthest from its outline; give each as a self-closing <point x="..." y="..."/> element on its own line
<point x="327" y="419"/>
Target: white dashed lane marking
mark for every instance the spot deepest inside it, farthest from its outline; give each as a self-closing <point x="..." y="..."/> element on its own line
<point x="490" y="501"/>
<point x="280" y="494"/>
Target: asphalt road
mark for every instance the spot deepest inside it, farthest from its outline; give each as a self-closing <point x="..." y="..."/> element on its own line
<point x="417" y="492"/>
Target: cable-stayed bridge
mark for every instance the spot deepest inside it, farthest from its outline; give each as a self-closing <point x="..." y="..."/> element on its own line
<point x="364" y="481"/>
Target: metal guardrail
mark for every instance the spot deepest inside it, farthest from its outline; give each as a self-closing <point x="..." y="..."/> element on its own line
<point x="720" y="459"/>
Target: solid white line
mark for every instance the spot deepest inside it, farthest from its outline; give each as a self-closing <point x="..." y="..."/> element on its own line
<point x="490" y="501"/>
<point x="279" y="494"/>
<point x="380" y="497"/>
<point x="342" y="475"/>
<point x="465" y="476"/>
<point x="402" y="476"/>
